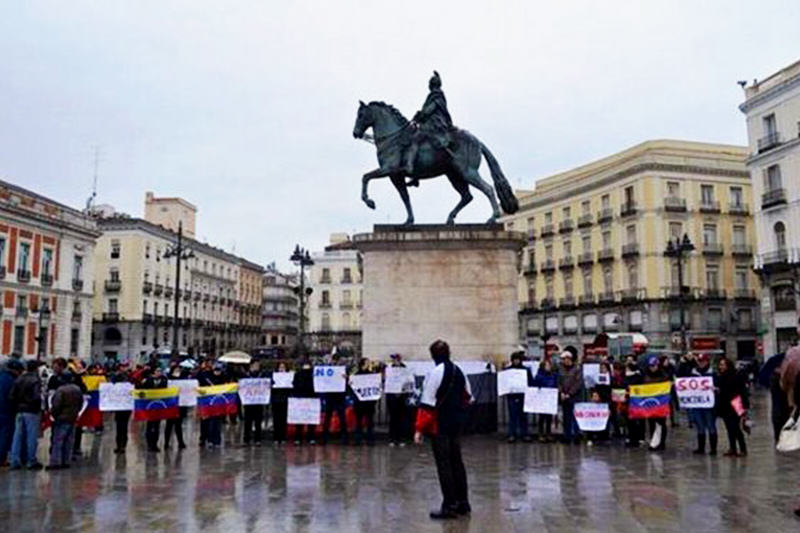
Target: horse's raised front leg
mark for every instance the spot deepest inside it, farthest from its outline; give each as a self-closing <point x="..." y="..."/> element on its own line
<point x="377" y="173"/>
<point x="399" y="182"/>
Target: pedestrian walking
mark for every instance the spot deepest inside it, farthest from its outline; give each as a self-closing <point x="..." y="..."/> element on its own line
<point x="733" y="401"/>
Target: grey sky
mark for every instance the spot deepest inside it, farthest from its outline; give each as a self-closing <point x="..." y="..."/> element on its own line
<point x="247" y="111"/>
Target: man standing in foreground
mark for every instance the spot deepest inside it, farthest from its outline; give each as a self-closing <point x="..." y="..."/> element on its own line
<point x="442" y="413"/>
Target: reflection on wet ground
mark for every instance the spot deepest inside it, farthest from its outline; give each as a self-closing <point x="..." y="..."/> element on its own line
<point x="521" y="487"/>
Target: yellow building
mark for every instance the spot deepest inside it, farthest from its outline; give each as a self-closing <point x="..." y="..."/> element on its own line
<point x="597" y="235"/>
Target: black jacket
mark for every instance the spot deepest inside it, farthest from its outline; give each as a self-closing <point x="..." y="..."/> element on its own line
<point x="303" y="384"/>
<point x="153" y="382"/>
<point x="26" y="393"/>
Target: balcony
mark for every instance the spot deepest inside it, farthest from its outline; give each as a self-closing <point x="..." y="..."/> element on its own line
<point x="547" y="230"/>
<point x="566" y="226"/>
<point x="23" y="276"/>
<point x="584" y="221"/>
<point x="714" y="294"/>
<point x="346" y="305"/>
<point x="214" y="299"/>
<point x="776" y="258"/>
<point x="743" y="250"/>
<point x="325" y="305"/>
<point x="630" y="250"/>
<point x="77" y="284"/>
<point x="187" y="295"/>
<point x="744" y="294"/>
<point x="586" y="299"/>
<point x="547" y="266"/>
<point x="147" y="287"/>
<point x="77" y="316"/>
<point x="674" y="204"/>
<point x="111" y="317"/>
<point x="548" y="303"/>
<point x="773" y="197"/>
<point x="785" y="304"/>
<point x="631" y="295"/>
<point x="712" y="248"/>
<point x="605" y="255"/>
<point x="346" y="280"/>
<point x="147" y="318"/>
<point x="769" y="141"/>
<point x="168" y="292"/>
<point x="47" y="280"/>
<point x="628" y="209"/>
<point x="709" y="206"/>
<point x="325" y="279"/>
<point x="158" y="290"/>
<point x="738" y="209"/>
<point x="567" y="302"/>
<point x="21" y="312"/>
<point x="530" y="270"/>
<point x="206" y="297"/>
<point x="586" y="258"/>
<point x="112" y="285"/>
<point x="605" y="215"/>
<point x="606" y="297"/>
<point x="197" y="296"/>
<point x="531" y="235"/>
<point x="566" y="263"/>
<point x="674" y="293"/>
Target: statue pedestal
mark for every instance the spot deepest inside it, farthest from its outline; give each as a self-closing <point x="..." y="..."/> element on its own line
<point x="427" y="282"/>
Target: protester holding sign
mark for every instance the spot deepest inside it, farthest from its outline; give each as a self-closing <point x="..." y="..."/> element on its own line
<point x="175" y="425"/>
<point x="121" y="418"/>
<point x="254" y="413"/>
<point x="703" y="418"/>
<point x="303" y="387"/>
<point x="596" y="432"/>
<point x="156" y="380"/>
<point x="658" y="424"/>
<point x="570" y="385"/>
<point x="279" y="401"/>
<point x="517" y="419"/>
<point x="364" y="405"/>
<point x="546" y="377"/>
<point x="732" y="402"/>
<point x="399" y="387"/>
<point x="635" y="426"/>
<point x="334" y="385"/>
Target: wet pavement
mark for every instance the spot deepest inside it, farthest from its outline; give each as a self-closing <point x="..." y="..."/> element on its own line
<point x="520" y="487"/>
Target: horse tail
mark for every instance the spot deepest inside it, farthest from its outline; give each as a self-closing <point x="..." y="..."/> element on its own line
<point x="508" y="201"/>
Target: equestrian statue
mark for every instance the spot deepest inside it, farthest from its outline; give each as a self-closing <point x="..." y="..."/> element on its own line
<point x="429" y="147"/>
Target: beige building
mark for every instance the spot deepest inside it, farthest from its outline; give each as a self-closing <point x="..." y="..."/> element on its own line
<point x="772" y="107"/>
<point x="334" y="307"/>
<point x="249" y="296"/>
<point x="170" y="213"/>
<point x="46" y="276"/>
<point x="596" y="240"/>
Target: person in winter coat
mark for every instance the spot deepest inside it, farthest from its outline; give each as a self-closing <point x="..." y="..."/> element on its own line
<point x="175" y="425"/>
<point x="704" y="419"/>
<point x="279" y="401"/>
<point x="633" y="376"/>
<point x="64" y="408"/>
<point x="517" y="418"/>
<point x="397" y="405"/>
<point x="334" y="402"/>
<point x="253" y="414"/>
<point x="655" y="374"/>
<point x="156" y="380"/>
<point x="732" y="396"/>
<point x="303" y="387"/>
<point x="570" y="386"/>
<point x="26" y="400"/>
<point x="364" y="410"/>
<point x="121" y="418"/>
<point x="546" y="377"/>
<point x="9" y="374"/>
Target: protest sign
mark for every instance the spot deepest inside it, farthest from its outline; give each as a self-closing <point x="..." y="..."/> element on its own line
<point x="282" y="380"/>
<point x="188" y="391"/>
<point x="330" y="378"/>
<point x="254" y="391"/>
<point x="591" y="372"/>
<point x="116" y="397"/>
<point x="303" y="411"/>
<point x="591" y="416"/>
<point x="542" y="400"/>
<point x="367" y="387"/>
<point x="533" y="366"/>
<point x="512" y="381"/>
<point x="399" y="380"/>
<point x="695" y="392"/>
<point x="603" y="378"/>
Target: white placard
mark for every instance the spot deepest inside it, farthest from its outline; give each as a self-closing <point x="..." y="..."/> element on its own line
<point x="591" y="416"/>
<point x="603" y="378"/>
<point x="399" y="380"/>
<point x="116" y="396"/>
<point x="696" y="392"/>
<point x="469" y="368"/>
<point x="420" y="368"/>
<point x="282" y="380"/>
<point x="590" y="373"/>
<point x="367" y="387"/>
<point x="187" y="393"/>
<point x="330" y="378"/>
<point x="304" y="411"/>
<point x="533" y="366"/>
<point x="254" y="391"/>
<point x="512" y="381"/>
<point x="543" y="400"/>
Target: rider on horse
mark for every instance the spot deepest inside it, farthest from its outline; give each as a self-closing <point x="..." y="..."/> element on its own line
<point x="434" y="124"/>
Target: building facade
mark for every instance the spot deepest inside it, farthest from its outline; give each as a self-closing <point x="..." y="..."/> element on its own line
<point x="46" y="275"/>
<point x="170" y="212"/>
<point x="597" y="235"/>
<point x="772" y="107"/>
<point x="334" y="306"/>
<point x="280" y="311"/>
<point x="249" y="298"/>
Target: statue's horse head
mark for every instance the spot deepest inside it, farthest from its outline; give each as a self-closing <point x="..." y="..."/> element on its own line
<point x="381" y="117"/>
<point x="364" y="120"/>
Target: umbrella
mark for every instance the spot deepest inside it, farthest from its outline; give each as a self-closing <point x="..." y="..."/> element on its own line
<point x="188" y="363"/>
<point x="235" y="357"/>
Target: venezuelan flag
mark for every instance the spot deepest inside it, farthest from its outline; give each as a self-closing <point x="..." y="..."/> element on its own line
<point x="92" y="417"/>
<point x="650" y="400"/>
<point x="217" y="400"/>
<point x="155" y="404"/>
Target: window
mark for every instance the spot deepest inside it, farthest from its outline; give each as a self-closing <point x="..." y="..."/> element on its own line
<point x="714" y="319"/>
<point x="709" y="234"/>
<point x="675" y="230"/>
<point x="548" y="252"/>
<point x="22" y="303"/>
<point x="587" y="281"/>
<point x="326" y="298"/>
<point x="548" y="217"/>
<point x="113" y="274"/>
<point x="673" y="189"/>
<point x="565" y="213"/>
<point x="345" y="321"/>
<point x="568" y="289"/>
<point x="739" y="236"/>
<point x="166" y="310"/>
<point x="144" y="306"/>
<point x="47" y="261"/>
<point x="115" y="249"/>
<point x="707" y="194"/>
<point x="737" y="200"/>
<point x="629" y="200"/>
<point x="530" y="223"/>
<point x="633" y="276"/>
<point x="346" y="297"/>
<point x="74" y="339"/>
<point x="630" y="234"/>
<point x="712" y="277"/>
<point x="608" y="280"/>
<point x="19" y="339"/>
<point x="586" y="242"/>
<point x="147" y="251"/>
<point x="548" y="286"/>
<point x="567" y="247"/>
<point x="586" y="207"/>
<point x="77" y="268"/>
<point x="605" y="201"/>
<point x="606" y="240"/>
<point x="769" y="124"/>
<point x="155" y="308"/>
<point x="741" y="278"/>
<point x="531" y="292"/>
<point x="780" y="236"/>
<point x="326" y="275"/>
<point x="745" y="319"/>
<point x="346" y="277"/>
<point x="635" y="317"/>
<point x="24" y="256"/>
<point x="772" y="178"/>
<point x="551" y="324"/>
<point x="112" y="305"/>
<point x="326" y="322"/>
<point x="2" y="250"/>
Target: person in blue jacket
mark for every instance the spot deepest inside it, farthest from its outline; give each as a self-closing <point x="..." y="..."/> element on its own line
<point x="546" y="377"/>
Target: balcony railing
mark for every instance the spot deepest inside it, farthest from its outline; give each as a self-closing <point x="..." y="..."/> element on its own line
<point x="325" y="279"/>
<point x="548" y="303"/>
<point x="673" y="292"/>
<point x="566" y="262"/>
<point x="111" y="317"/>
<point x="673" y="203"/>
<point x="547" y="230"/>
<point x="47" y="280"/>
<point x="630" y="249"/>
<point x="112" y="285"/>
<point x="776" y="257"/>
<point x="565" y="226"/>
<point x="773" y="197"/>
<point x="567" y="301"/>
<point x="606" y="297"/>
<point x="604" y="255"/>
<point x="586" y="258"/>
<point x="547" y="266"/>
<point x="741" y="249"/>
<point x="531" y="235"/>
<point x="347" y="280"/>
<point x="586" y="299"/>
<point x="628" y="209"/>
<point x="77" y="316"/>
<point x="631" y="295"/>
<point x="709" y="206"/>
<point x="158" y="290"/>
<point x="77" y="284"/>
<point x="168" y="292"/>
<point x="22" y="312"/>
<point x="714" y="294"/>
<point x="147" y="287"/>
<point x="605" y="215"/>
<point x="769" y="141"/>
<point x="23" y="276"/>
<point x="345" y="305"/>
<point x="325" y="305"/>
<point x="147" y="318"/>
<point x="744" y="294"/>
<point x="785" y="304"/>
<point x="738" y="209"/>
<point x="585" y="220"/>
<point x="712" y="248"/>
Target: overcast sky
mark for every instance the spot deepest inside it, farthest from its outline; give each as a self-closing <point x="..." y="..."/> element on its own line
<point x="248" y="111"/>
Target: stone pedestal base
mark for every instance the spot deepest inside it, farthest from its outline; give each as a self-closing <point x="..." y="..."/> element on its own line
<point x="456" y="283"/>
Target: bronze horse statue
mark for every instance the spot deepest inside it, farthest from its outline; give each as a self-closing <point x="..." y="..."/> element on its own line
<point x="459" y="162"/>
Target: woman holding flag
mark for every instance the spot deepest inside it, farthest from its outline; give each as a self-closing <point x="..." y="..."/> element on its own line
<point x="655" y="402"/>
<point x="156" y="380"/>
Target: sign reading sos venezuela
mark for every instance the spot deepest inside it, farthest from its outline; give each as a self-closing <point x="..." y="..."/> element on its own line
<point x="696" y="392"/>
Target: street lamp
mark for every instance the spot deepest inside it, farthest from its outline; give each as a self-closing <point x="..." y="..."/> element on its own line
<point x="677" y="249"/>
<point x="179" y="251"/>
<point x="44" y="314"/>
<point x="303" y="259"/>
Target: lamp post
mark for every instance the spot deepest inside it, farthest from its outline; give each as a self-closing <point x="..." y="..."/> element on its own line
<point x="303" y="259"/>
<point x="179" y="251"/>
<point x="677" y="249"/>
<point x="44" y="313"/>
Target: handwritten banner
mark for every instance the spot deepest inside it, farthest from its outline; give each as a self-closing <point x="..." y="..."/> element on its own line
<point x="254" y="391"/>
<point x="512" y="381"/>
<point x="330" y="378"/>
<point x="116" y="396"/>
<point x="591" y="416"/>
<point x="187" y="391"/>
<point x="367" y="387"/>
<point x="399" y="380"/>
<point x="591" y="373"/>
<point x="542" y="400"/>
<point x="282" y="380"/>
<point x="304" y="411"/>
<point x="695" y="392"/>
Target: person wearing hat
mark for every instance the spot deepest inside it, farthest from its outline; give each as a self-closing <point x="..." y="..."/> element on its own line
<point x="655" y="374"/>
<point x="517" y="419"/>
<point x="704" y="418"/>
<point x="570" y="388"/>
<point x="12" y="370"/>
